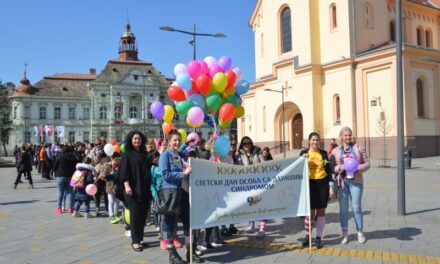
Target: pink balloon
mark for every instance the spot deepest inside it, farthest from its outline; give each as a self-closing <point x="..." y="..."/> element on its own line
<point x="214" y="69"/>
<point x="203" y="67"/>
<point x="238" y="73"/>
<point x="91" y="189"/>
<point x="193" y="138"/>
<point x="194" y="69"/>
<point x="196" y="115"/>
<point x="210" y="61"/>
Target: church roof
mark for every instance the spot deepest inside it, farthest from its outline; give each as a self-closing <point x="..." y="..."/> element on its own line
<point x="64" y="85"/>
<point x="429" y="3"/>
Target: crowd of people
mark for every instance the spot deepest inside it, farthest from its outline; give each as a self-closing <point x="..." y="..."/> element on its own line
<point x="151" y="179"/>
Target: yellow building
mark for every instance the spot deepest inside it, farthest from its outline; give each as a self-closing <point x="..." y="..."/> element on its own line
<point x="335" y="62"/>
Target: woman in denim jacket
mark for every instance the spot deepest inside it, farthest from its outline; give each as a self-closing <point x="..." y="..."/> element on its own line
<point x="350" y="184"/>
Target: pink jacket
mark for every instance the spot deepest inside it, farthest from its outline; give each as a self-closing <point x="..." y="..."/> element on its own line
<point x="361" y="156"/>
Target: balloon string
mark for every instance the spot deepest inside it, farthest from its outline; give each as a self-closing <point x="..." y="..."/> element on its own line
<point x="215" y="125"/>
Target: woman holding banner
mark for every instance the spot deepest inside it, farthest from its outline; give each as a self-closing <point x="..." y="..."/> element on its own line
<point x="172" y="168"/>
<point x="321" y="187"/>
<point x="349" y="161"/>
<point x="248" y="154"/>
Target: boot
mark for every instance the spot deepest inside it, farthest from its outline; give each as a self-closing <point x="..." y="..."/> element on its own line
<point x="195" y="257"/>
<point x="174" y="256"/>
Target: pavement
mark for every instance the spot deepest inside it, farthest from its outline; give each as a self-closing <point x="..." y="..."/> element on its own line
<point x="31" y="233"/>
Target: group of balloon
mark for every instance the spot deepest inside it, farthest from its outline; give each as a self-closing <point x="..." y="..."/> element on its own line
<point x="205" y="91"/>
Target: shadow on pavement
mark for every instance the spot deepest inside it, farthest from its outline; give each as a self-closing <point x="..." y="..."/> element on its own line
<point x="19" y="202"/>
<point x="423" y="211"/>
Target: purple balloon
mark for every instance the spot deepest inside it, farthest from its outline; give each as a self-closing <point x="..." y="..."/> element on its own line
<point x="157" y="110"/>
<point x="214" y="69"/>
<point x="225" y="62"/>
<point x="351" y="165"/>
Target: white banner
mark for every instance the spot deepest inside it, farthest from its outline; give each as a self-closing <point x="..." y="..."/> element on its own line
<point x="222" y="194"/>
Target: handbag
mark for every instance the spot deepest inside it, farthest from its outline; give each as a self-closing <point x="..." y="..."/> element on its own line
<point x="167" y="202"/>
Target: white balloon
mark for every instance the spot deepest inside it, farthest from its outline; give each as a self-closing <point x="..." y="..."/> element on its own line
<point x="238" y="73"/>
<point x="179" y="68"/>
<point x="210" y="61"/>
<point x="108" y="149"/>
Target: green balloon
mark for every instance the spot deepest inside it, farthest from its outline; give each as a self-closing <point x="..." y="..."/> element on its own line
<point x="183" y="107"/>
<point x="213" y="101"/>
<point x="123" y="148"/>
<point x="232" y="99"/>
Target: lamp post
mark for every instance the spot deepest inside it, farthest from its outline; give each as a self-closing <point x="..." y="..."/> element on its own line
<point x="193" y="34"/>
<point x="284" y="133"/>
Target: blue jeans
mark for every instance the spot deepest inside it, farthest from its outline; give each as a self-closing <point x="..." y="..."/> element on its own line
<point x="352" y="191"/>
<point x="79" y="203"/>
<point x="64" y="188"/>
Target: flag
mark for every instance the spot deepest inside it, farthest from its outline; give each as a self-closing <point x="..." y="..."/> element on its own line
<point x="37" y="131"/>
<point x="47" y="130"/>
<point x="41" y="130"/>
<point x="60" y="131"/>
<point x="51" y="130"/>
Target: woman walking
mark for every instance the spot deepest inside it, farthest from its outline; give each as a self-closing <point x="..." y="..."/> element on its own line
<point x="24" y="166"/>
<point x="320" y="184"/>
<point x="135" y="175"/>
<point x="350" y="185"/>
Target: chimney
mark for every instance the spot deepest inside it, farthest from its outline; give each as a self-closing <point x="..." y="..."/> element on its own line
<point x="92" y="71"/>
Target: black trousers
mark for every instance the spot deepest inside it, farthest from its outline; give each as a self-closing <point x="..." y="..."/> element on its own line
<point x="138" y="217"/>
<point x="100" y="185"/>
<point x="26" y="173"/>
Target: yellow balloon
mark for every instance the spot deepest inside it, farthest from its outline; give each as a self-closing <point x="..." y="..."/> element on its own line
<point x="227" y="92"/>
<point x="169" y="114"/>
<point x="219" y="82"/>
<point x="192" y="125"/>
<point x="239" y="111"/>
<point x="224" y="124"/>
<point x="183" y="135"/>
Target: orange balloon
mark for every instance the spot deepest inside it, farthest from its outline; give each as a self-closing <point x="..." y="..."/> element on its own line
<point x="167" y="127"/>
<point x="117" y="148"/>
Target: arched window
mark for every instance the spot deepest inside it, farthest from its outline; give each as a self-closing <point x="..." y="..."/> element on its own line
<point x="333" y="17"/>
<point x="286" y="31"/>
<point x="393" y="31"/>
<point x="420" y="90"/>
<point x="368" y="16"/>
<point x="336" y="109"/>
<point x="419" y="36"/>
<point x="103" y="112"/>
<point x="428" y="38"/>
<point x="133" y="112"/>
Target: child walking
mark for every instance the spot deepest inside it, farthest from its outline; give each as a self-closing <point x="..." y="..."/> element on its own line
<point x="113" y="202"/>
<point x="80" y="192"/>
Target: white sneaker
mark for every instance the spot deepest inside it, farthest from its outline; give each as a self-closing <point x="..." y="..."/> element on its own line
<point x="127" y="233"/>
<point x="261" y="234"/>
<point x="344" y="239"/>
<point x="88" y="216"/>
<point x="217" y="244"/>
<point x="361" y="237"/>
<point x="157" y="229"/>
<point x="77" y="214"/>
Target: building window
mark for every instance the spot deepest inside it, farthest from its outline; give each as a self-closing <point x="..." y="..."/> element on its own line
<point x="27" y="112"/>
<point x="71" y="112"/>
<point x="419" y="36"/>
<point x="15" y="112"/>
<point x="333" y="17"/>
<point x="420" y="98"/>
<point x="336" y="109"/>
<point x="86" y="137"/>
<point x="86" y="113"/>
<point x="393" y="31"/>
<point x="286" y="31"/>
<point x="368" y="16"/>
<point x="118" y="113"/>
<point x="133" y="112"/>
<point x="27" y="137"/>
<point x="57" y="113"/>
<point x="103" y="112"/>
<point x="428" y="38"/>
<point x="72" y="136"/>
<point x="118" y="136"/>
<point x="42" y="112"/>
<point x="264" y="118"/>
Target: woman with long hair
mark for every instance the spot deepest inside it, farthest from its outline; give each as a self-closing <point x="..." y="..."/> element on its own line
<point x="320" y="185"/>
<point x="135" y="175"/>
<point x="350" y="184"/>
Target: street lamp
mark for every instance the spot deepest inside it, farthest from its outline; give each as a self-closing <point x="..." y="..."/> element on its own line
<point x="284" y="133"/>
<point x="193" y="34"/>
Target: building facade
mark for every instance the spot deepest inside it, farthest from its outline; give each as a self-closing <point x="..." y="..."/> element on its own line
<point x="72" y="107"/>
<point x="335" y="63"/>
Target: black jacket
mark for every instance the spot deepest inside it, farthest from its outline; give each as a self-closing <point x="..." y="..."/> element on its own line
<point x="24" y="163"/>
<point x="324" y="158"/>
<point x="134" y="168"/>
<point x="65" y="165"/>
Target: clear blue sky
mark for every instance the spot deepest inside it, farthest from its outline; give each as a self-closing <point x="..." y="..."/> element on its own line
<point x="56" y="36"/>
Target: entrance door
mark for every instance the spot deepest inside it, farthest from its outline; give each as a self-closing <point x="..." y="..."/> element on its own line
<point x="297" y="131"/>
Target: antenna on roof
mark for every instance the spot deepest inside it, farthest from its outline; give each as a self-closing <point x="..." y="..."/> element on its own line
<point x="25" y="68"/>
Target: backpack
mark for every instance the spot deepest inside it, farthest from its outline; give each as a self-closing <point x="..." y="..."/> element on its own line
<point x="78" y="179"/>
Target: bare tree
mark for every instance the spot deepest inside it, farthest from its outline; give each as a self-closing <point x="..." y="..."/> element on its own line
<point x="319" y="128"/>
<point x="384" y="127"/>
<point x="6" y="124"/>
